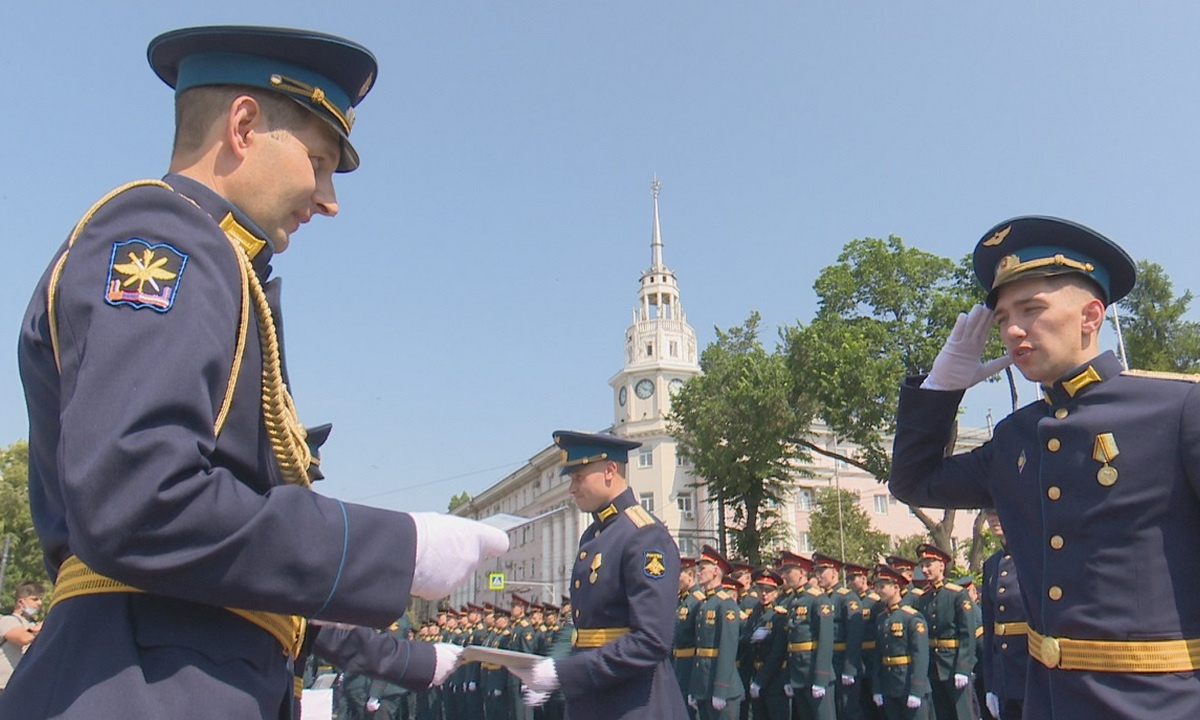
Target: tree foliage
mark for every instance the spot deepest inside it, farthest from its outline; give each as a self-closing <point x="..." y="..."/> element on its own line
<point x="458" y="500"/>
<point x="732" y="424"/>
<point x="25" y="553"/>
<point x="1155" y="333"/>
<point x="838" y="526"/>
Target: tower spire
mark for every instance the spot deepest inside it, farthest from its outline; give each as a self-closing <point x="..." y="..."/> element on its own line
<point x="656" y="235"/>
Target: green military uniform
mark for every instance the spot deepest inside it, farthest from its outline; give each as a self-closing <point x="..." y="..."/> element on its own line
<point x="949" y="612"/>
<point x="768" y="644"/>
<point x="810" y="653"/>
<point x="714" y="671"/>
<point x="902" y="640"/>
<point x="685" y="639"/>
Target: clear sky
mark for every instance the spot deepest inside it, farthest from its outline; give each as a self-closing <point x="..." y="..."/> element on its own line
<point x="473" y="294"/>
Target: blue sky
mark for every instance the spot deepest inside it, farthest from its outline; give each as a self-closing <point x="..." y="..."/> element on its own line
<point x="473" y="293"/>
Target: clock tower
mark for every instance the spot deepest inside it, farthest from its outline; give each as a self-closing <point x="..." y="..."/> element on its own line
<point x="660" y="348"/>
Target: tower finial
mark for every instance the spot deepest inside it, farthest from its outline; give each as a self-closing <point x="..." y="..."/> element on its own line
<point x="656" y="235"/>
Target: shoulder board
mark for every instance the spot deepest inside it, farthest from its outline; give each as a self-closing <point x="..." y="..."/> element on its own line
<point x="722" y="594"/>
<point x="698" y="594"/>
<point x="952" y="586"/>
<point x="745" y="614"/>
<point x="1156" y="375"/>
<point x="781" y="610"/>
<point x="917" y="591"/>
<point x="873" y="596"/>
<point x="909" y="609"/>
<point x="843" y="591"/>
<point x="814" y="592"/>
<point x="639" y="516"/>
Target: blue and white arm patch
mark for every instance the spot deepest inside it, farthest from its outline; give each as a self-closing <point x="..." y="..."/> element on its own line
<point x="142" y="275"/>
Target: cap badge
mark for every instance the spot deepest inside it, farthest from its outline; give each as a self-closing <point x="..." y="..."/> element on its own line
<point x="997" y="237"/>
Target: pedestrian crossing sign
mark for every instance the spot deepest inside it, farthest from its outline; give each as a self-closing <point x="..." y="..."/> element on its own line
<point x="496" y="581"/>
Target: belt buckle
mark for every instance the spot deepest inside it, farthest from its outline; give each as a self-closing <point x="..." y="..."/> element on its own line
<point x="1051" y="652"/>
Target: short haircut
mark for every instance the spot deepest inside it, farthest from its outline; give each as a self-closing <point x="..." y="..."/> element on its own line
<point x="29" y="589"/>
<point x="197" y="109"/>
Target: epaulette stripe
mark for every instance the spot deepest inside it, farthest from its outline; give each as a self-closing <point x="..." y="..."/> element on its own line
<point x="909" y="609"/>
<point x="1159" y="375"/>
<point x="952" y="586"/>
<point x="781" y="610"/>
<point x="639" y="516"/>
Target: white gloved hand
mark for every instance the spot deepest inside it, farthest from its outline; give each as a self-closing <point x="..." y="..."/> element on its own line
<point x="445" y="659"/>
<point x="541" y="676"/>
<point x="958" y="366"/>
<point x="914" y="702"/>
<point x="372" y="705"/>
<point x="993" y="704"/>
<point x="533" y="698"/>
<point x="760" y="634"/>
<point x="718" y="704"/>
<point x="960" y="681"/>
<point x="755" y="689"/>
<point x="448" y="550"/>
<point x="787" y="690"/>
<point x="877" y="699"/>
<point x="471" y="686"/>
<point x="818" y="692"/>
<point x="495" y="693"/>
<point x="847" y="680"/>
<point x="692" y="702"/>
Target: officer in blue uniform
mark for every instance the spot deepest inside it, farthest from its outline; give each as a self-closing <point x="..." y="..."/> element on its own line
<point x="1102" y="476"/>
<point x="1005" y="631"/>
<point x="623" y="591"/>
<point x="169" y="476"/>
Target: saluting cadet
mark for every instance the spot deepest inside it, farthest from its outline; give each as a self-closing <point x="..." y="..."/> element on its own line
<point x="168" y="471"/>
<point x="810" y="641"/>
<point x="907" y="568"/>
<point x="902" y="638"/>
<point x="1005" y="636"/>
<point x="623" y="589"/>
<point x="859" y="582"/>
<point x="1100" y="475"/>
<point x="769" y="640"/>
<point x="848" y="628"/>
<point x="690" y="597"/>
<point x="951" y="617"/>
<point x="716" y="689"/>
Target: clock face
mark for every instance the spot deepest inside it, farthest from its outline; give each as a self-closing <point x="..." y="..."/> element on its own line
<point x="674" y="385"/>
<point x="644" y="388"/>
<point x="622" y="395"/>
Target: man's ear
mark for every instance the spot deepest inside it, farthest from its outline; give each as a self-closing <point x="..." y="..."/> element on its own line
<point x="1092" y="315"/>
<point x="244" y="121"/>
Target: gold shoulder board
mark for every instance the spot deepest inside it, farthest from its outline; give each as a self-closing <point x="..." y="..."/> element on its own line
<point x="843" y="591"/>
<point x="1157" y="375"/>
<point x="639" y="516"/>
<point x="909" y="609"/>
<point x="952" y="586"/>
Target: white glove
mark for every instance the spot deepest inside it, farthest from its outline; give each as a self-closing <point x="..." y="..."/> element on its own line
<point x="471" y="686"/>
<point x="533" y="698"/>
<point x="718" y="704"/>
<point x="445" y="659"/>
<point x="818" y="692"/>
<point x="759" y="635"/>
<point x="755" y="689"/>
<point x="960" y="681"/>
<point x="692" y="702"/>
<point x="958" y="365"/>
<point x="878" y="699"/>
<point x="372" y="705"/>
<point x="495" y="693"/>
<point x="914" y="702"/>
<point x="787" y="690"/>
<point x="993" y="704"/>
<point x="541" y="676"/>
<point x="847" y="680"/>
<point x="448" y="550"/>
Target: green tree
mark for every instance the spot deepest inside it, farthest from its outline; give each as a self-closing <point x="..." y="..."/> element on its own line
<point x="885" y="311"/>
<point x="25" y="553"/>
<point x="458" y="500"/>
<point x="1155" y="333"/>
<point x="732" y="423"/>
<point x="838" y="526"/>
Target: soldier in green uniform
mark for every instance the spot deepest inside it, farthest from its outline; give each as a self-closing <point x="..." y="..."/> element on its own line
<point x="858" y="579"/>
<point x="906" y="567"/>
<point x="715" y="689"/>
<point x="690" y="597"/>
<point x="768" y="643"/>
<point x="949" y="611"/>
<point x="746" y="593"/>
<point x="848" y="629"/>
<point x="901" y="679"/>
<point x="810" y="641"/>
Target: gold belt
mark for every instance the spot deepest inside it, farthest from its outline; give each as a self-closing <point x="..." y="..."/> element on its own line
<point x="597" y="637"/>
<point x="802" y="646"/>
<point x="934" y="642"/>
<point x="685" y="652"/>
<point x="1012" y="628"/>
<point x="896" y="660"/>
<point x="979" y="631"/>
<point x="706" y="652"/>
<point x="868" y="645"/>
<point x="1131" y="656"/>
<point x="839" y="647"/>
<point x="489" y="666"/>
<point x="76" y="579"/>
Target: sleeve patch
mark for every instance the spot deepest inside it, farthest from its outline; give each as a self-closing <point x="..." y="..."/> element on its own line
<point x="653" y="564"/>
<point x="142" y="275"/>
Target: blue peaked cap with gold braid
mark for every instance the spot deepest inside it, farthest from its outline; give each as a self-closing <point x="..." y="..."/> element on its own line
<point x="326" y="74"/>
<point x="585" y="448"/>
<point x="1038" y="246"/>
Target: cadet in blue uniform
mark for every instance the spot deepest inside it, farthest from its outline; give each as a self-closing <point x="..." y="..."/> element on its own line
<point x="1102" y="476"/>
<point x="901" y="677"/>
<point x="623" y="590"/>
<point x="951" y="617"/>
<point x="169" y="477"/>
<point x="1005" y="632"/>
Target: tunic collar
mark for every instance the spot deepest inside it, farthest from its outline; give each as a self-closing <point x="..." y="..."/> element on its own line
<point x="232" y="220"/>
<point x="1083" y="378"/>
<point x="605" y="515"/>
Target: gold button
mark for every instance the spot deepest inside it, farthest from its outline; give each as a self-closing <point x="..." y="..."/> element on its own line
<point x="1000" y="590"/>
<point x="576" y="583"/>
<point x="1054" y="492"/>
<point x="1056" y="542"/>
<point x="1061" y="413"/>
<point x="582" y="554"/>
<point x="1053" y="445"/>
<point x="1055" y="592"/>
<point x="1003" y="646"/>
<point x="1003" y="573"/>
<point x="1001" y="608"/>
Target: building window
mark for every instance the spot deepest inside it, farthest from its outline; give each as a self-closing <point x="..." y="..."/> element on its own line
<point x="805" y="545"/>
<point x="646" y="457"/>
<point x="687" y="546"/>
<point x="679" y="460"/>
<point x="684" y="503"/>
<point x="674" y="348"/>
<point x="804" y="499"/>
<point x="881" y="504"/>
<point x="649" y="349"/>
<point x="647" y="500"/>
